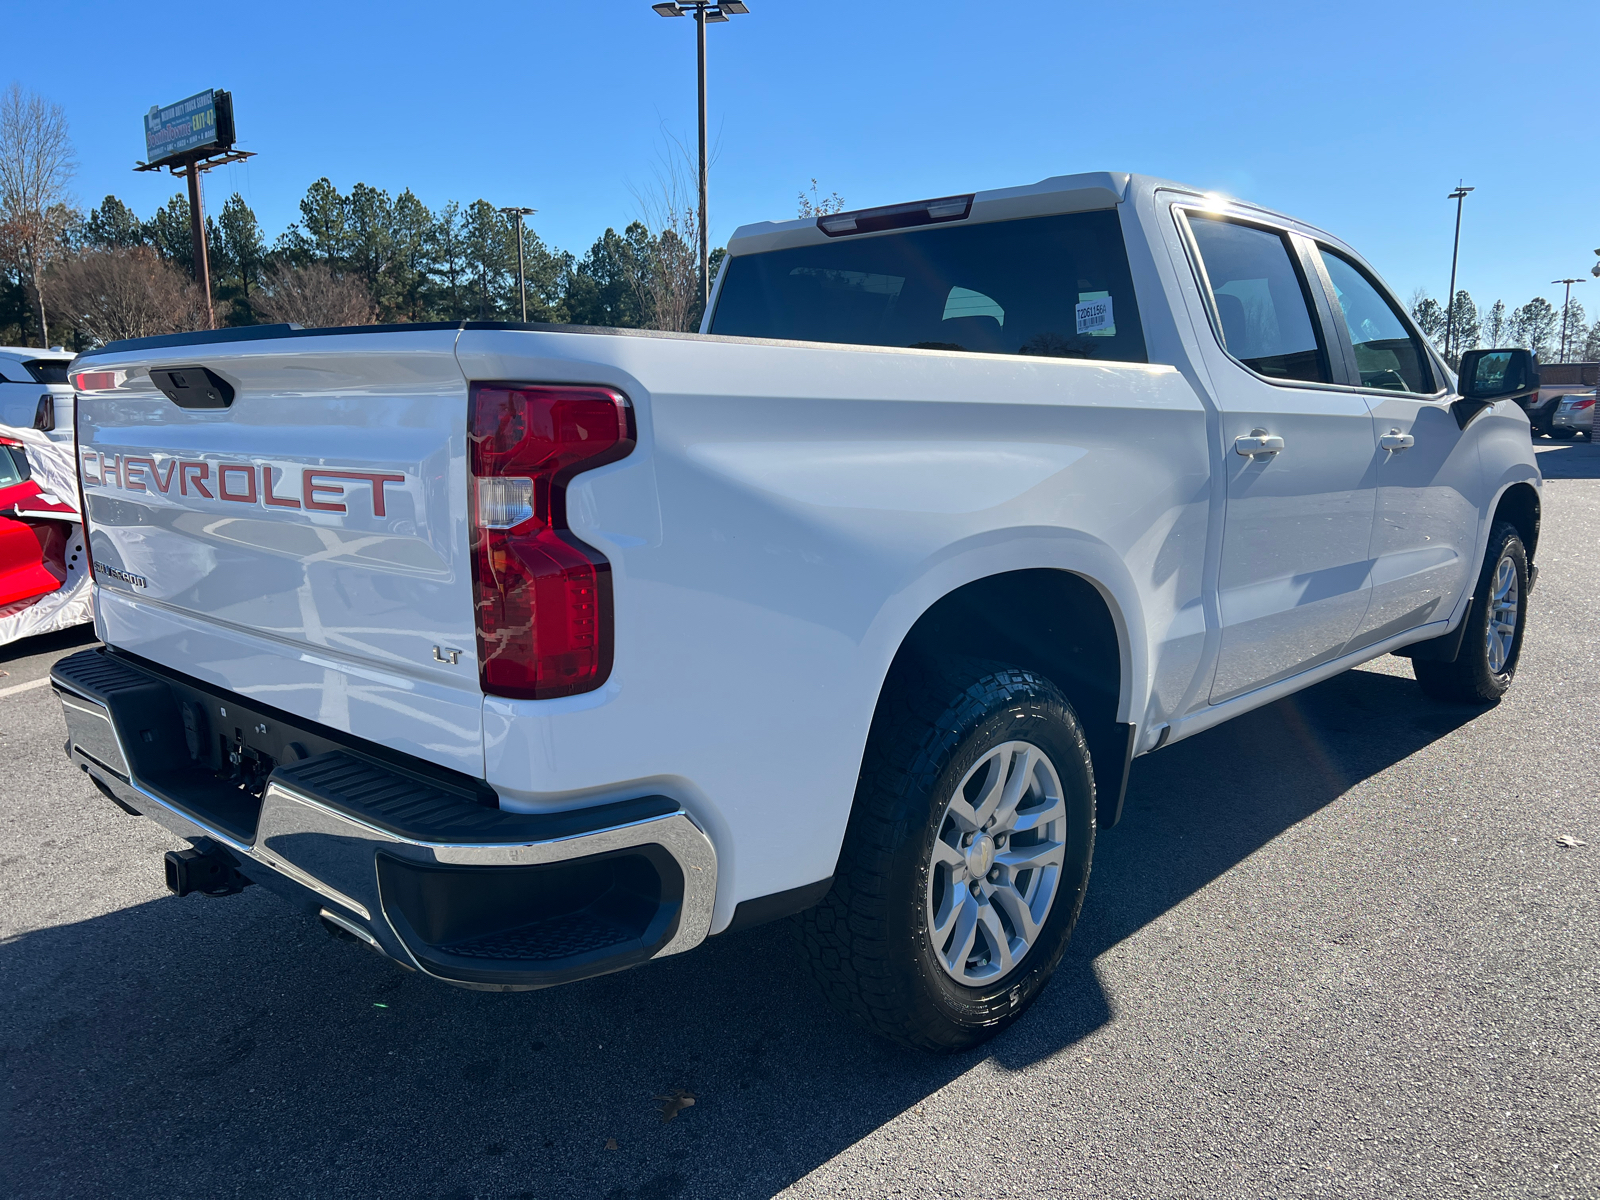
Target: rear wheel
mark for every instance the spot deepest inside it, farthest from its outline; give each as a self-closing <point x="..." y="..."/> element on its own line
<point x="1563" y="433"/>
<point x="966" y="859"/>
<point x="1492" y="644"/>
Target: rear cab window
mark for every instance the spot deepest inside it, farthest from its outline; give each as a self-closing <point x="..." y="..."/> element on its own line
<point x="1055" y="287"/>
<point x="48" y="370"/>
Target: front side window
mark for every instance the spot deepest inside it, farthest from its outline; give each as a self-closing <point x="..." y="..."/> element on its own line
<point x="1261" y="302"/>
<point x="1053" y="286"/>
<point x="1388" y="355"/>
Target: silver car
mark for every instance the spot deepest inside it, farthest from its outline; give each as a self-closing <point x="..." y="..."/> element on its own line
<point x="1574" y="416"/>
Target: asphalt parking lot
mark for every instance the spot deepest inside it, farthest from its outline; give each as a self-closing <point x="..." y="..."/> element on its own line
<point x="1334" y="948"/>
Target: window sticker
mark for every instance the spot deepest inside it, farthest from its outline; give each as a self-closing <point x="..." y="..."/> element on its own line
<point x="1095" y="315"/>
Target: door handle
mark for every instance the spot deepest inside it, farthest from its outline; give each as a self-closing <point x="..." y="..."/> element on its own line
<point x="1257" y="441"/>
<point x="1395" y="440"/>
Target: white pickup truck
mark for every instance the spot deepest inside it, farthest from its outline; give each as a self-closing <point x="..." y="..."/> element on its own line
<point x="522" y="654"/>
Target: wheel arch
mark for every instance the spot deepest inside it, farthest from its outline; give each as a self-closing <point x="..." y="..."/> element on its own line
<point x="1519" y="504"/>
<point x="1055" y="621"/>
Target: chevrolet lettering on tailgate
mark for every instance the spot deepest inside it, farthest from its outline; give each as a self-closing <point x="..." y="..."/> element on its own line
<point x="320" y="489"/>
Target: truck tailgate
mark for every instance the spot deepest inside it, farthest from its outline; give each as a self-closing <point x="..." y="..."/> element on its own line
<point x="307" y="545"/>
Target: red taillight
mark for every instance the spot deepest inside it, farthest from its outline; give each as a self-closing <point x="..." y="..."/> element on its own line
<point x="98" y="381"/>
<point x="1577" y="404"/>
<point x="543" y="597"/>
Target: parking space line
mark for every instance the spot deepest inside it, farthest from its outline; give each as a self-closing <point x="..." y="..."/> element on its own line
<point x="24" y="687"/>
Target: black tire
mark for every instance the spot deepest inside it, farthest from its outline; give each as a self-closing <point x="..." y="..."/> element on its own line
<point x="1563" y="433"/>
<point x="868" y="942"/>
<point x="1470" y="679"/>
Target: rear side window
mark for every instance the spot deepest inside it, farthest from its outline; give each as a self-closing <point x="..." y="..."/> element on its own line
<point x="48" y="370"/>
<point x="1388" y="355"/>
<point x="1261" y="300"/>
<point x="1052" y="286"/>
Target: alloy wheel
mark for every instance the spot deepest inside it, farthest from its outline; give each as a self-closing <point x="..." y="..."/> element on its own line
<point x="996" y="863"/>
<point x="1503" y="606"/>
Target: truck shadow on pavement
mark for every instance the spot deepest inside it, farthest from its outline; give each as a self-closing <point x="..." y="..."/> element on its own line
<point x="231" y="1040"/>
<point x="1569" y="460"/>
<point x="47" y="643"/>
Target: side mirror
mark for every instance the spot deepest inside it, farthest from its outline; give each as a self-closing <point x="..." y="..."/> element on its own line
<point x="1490" y="375"/>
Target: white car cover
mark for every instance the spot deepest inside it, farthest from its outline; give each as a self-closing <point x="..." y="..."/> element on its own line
<point x="55" y="471"/>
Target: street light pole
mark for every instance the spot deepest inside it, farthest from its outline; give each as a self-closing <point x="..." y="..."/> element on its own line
<point x="516" y="214"/>
<point x="1565" y="306"/>
<point x="706" y="12"/>
<point x="705" y="244"/>
<point x="1458" y="196"/>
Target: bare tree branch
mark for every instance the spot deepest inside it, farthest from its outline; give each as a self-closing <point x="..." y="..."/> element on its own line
<point x="36" y="164"/>
<point x="125" y="293"/>
<point x="314" y="297"/>
<point x="671" y="210"/>
<point x="816" y="205"/>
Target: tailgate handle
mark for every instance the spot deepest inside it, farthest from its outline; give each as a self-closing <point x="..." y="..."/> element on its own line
<point x="193" y="387"/>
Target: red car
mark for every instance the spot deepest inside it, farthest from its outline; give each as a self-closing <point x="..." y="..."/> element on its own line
<point x="40" y="536"/>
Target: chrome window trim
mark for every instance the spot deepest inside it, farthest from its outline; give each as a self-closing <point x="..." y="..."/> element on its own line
<point x="1180" y="213"/>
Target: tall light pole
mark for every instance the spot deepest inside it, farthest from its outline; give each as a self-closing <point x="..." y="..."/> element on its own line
<point x="1565" y="305"/>
<point x="516" y="215"/>
<point x="705" y="13"/>
<point x="1458" y="196"/>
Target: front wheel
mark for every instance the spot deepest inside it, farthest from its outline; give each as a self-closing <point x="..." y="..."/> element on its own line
<point x="966" y="858"/>
<point x="1491" y="647"/>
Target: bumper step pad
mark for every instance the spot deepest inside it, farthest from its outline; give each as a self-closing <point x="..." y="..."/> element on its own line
<point x="419" y="811"/>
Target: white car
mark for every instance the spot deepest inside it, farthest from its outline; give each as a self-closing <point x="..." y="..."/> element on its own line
<point x="34" y="392"/>
<point x="521" y="654"/>
<point x="1574" y="416"/>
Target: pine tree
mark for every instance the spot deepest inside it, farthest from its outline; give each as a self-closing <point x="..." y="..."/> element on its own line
<point x="491" y="259"/>
<point x="1534" y="326"/>
<point x="447" y="252"/>
<point x="323" y="231"/>
<point x="546" y="272"/>
<point x="1496" y="326"/>
<point x="1429" y="315"/>
<point x="113" y="226"/>
<point x="412" y="261"/>
<point x="369" y="241"/>
<point x="1465" y="328"/>
<point x="1591" y="344"/>
<point x="168" y="232"/>
<point x="238" y="255"/>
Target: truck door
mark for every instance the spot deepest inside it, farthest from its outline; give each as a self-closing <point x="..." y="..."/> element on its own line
<point x="1298" y="453"/>
<point x="1424" y="540"/>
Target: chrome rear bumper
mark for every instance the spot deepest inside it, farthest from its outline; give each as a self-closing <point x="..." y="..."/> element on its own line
<point x="469" y="894"/>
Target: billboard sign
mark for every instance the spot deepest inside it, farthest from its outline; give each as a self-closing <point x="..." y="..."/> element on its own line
<point x="178" y="129"/>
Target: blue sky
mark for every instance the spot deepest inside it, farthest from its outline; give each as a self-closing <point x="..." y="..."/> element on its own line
<point x="1359" y="117"/>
